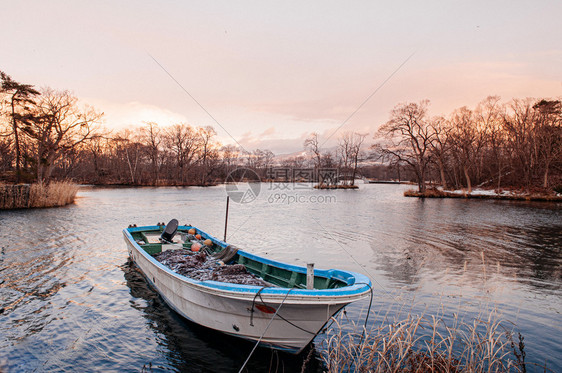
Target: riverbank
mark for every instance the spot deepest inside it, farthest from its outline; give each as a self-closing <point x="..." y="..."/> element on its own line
<point x="512" y="195"/>
<point x="325" y="186"/>
<point x="23" y="196"/>
<point x="159" y="183"/>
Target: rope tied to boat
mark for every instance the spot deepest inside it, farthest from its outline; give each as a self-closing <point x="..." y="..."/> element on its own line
<point x="252" y="311"/>
<point x="368" y="309"/>
<point x="265" y="331"/>
<point x="284" y="319"/>
<point x="254" y="303"/>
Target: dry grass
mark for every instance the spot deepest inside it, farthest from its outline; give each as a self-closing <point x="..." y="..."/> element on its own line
<point x="426" y="344"/>
<point x="54" y="194"/>
<point x="14" y="196"/>
<point x="37" y="195"/>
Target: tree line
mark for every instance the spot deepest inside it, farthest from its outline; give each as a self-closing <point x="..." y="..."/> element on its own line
<point x="495" y="145"/>
<point x="46" y="134"/>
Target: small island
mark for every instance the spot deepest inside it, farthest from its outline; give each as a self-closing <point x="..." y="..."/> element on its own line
<point x="336" y="186"/>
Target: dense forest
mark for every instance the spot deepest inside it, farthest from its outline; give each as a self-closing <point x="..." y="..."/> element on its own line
<point x="47" y="134"/>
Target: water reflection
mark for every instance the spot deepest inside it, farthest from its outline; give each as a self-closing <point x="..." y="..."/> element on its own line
<point x="470" y="242"/>
<point x="71" y="304"/>
<point x="30" y="277"/>
<point x="190" y="347"/>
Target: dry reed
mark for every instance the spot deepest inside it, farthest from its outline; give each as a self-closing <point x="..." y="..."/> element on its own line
<point x="425" y="344"/>
<point x="54" y="194"/>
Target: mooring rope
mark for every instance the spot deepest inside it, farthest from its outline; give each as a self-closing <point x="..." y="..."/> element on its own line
<point x="368" y="309"/>
<point x="284" y="319"/>
<point x="267" y="327"/>
<point x="253" y="304"/>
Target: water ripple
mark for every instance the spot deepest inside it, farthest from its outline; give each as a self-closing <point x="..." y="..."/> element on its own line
<point x="71" y="301"/>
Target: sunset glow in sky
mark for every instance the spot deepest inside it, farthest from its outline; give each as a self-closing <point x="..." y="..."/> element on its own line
<point x="272" y="72"/>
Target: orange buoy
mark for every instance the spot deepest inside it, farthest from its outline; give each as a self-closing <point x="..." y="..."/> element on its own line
<point x="191" y="231"/>
<point x="196" y="247"/>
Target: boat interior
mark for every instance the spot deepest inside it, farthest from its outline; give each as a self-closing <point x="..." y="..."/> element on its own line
<point x="152" y="243"/>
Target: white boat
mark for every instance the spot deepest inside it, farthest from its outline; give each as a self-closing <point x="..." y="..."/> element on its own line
<point x="285" y="316"/>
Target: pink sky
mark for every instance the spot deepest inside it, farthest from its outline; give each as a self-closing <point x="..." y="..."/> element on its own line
<point x="272" y="72"/>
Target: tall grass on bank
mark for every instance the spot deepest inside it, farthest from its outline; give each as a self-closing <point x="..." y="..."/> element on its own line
<point x="58" y="193"/>
<point x="426" y="344"/>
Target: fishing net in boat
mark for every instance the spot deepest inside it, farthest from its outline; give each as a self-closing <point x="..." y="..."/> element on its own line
<point x="202" y="267"/>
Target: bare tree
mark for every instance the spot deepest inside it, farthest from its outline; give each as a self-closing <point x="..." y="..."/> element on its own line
<point x="57" y="126"/>
<point x="260" y="160"/>
<point x="208" y="151"/>
<point x="464" y="137"/>
<point x="294" y="162"/>
<point x="343" y="152"/>
<point x="126" y="151"/>
<point x="548" y="133"/>
<point x="440" y="145"/>
<point x="230" y="156"/>
<point x="328" y="160"/>
<point x="518" y="123"/>
<point x="151" y="137"/>
<point x="96" y="148"/>
<point x="312" y="144"/>
<point x="407" y="138"/>
<point x="489" y="116"/>
<point x="357" y="142"/>
<point x="349" y="150"/>
<point x="184" y="141"/>
<point x="268" y="157"/>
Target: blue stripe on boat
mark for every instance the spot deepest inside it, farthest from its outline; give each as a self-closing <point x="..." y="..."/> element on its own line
<point x="357" y="283"/>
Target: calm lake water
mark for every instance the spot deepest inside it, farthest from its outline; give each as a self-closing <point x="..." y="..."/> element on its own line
<point x="72" y="302"/>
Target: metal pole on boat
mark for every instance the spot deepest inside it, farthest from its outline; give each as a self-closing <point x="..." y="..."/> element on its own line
<point x="226" y="218"/>
<point x="310" y="276"/>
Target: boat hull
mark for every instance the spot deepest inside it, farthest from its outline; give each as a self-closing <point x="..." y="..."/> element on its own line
<point x="241" y="310"/>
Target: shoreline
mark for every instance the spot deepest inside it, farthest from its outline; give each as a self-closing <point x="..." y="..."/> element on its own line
<point x="352" y="187"/>
<point x="484" y="194"/>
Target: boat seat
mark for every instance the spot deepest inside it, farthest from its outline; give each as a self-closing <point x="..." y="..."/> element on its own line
<point x="170" y="231"/>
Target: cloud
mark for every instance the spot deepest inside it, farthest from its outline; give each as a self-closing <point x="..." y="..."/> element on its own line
<point x="124" y="115"/>
<point x="281" y="123"/>
<point x="251" y="142"/>
<point x="268" y="132"/>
